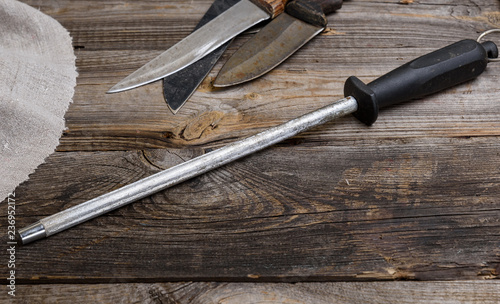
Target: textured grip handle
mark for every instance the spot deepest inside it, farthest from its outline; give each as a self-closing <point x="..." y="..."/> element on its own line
<point x="329" y="6"/>
<point x="431" y="73"/>
<point x="313" y="11"/>
<point x="273" y="7"/>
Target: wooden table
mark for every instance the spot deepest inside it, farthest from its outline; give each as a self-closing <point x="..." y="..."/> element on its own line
<point x="350" y="213"/>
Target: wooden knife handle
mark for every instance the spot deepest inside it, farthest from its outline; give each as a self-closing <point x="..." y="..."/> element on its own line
<point x="313" y="11"/>
<point x="273" y="7"/>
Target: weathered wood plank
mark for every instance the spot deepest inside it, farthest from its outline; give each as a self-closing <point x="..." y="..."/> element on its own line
<point x="413" y="197"/>
<point x="236" y="293"/>
<point x="416" y="209"/>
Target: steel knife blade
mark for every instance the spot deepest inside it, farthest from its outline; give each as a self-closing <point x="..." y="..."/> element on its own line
<point x="178" y="87"/>
<point x="278" y="40"/>
<point x="203" y="41"/>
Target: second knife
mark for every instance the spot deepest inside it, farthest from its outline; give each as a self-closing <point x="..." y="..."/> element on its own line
<point x="178" y="87"/>
<point x="302" y="21"/>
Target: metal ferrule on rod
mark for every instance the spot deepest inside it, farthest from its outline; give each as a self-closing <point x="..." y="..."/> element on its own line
<point x="32" y="233"/>
<point x="184" y="171"/>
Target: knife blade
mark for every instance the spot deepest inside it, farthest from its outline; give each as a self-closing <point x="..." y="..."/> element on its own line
<point x="203" y="41"/>
<point x="178" y="87"/>
<point x="278" y="40"/>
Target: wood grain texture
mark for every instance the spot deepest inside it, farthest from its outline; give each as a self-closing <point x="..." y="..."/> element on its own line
<point x="414" y="197"/>
<point x="237" y="293"/>
<point x="372" y="211"/>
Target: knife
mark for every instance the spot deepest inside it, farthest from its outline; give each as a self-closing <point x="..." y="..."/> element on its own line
<point x="178" y="87"/>
<point x="431" y="73"/>
<point x="278" y="40"/>
<point x="203" y="41"/>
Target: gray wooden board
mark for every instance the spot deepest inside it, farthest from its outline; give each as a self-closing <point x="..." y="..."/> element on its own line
<point x="484" y="292"/>
<point x="415" y="196"/>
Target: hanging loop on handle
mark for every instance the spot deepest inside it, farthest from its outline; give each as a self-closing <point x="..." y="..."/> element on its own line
<point x="487" y="33"/>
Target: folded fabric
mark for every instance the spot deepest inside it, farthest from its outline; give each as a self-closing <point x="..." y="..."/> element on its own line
<point x="37" y="80"/>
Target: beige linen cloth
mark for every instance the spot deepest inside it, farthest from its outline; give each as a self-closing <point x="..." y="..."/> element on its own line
<point x="37" y="80"/>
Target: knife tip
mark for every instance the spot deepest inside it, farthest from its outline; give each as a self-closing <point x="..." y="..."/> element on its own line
<point x="114" y="89"/>
<point x="224" y="85"/>
<point x="229" y="78"/>
<point x="123" y="85"/>
<point x="220" y="82"/>
<point x="174" y="111"/>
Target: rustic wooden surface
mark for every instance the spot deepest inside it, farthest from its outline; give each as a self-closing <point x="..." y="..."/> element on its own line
<point x="414" y="197"/>
<point x="484" y="292"/>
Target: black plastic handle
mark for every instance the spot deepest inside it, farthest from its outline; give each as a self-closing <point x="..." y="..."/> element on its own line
<point x="431" y="73"/>
<point x="313" y="11"/>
